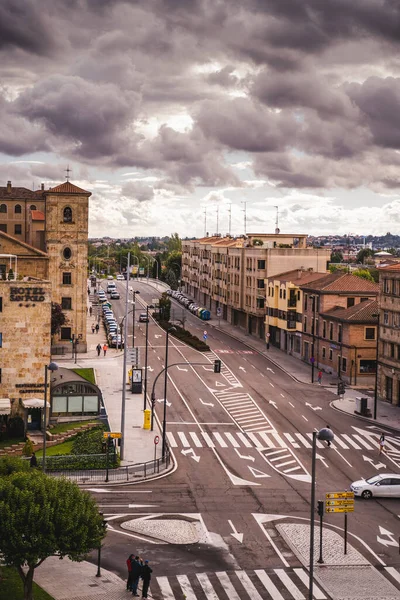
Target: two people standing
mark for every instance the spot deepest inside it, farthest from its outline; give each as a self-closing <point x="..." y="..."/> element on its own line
<point x="138" y="569"/>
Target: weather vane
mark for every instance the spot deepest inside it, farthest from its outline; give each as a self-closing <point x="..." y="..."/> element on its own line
<point x="67" y="171"/>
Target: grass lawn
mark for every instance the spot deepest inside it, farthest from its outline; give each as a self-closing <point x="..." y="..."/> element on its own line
<point x="64" y="448"/>
<point x="63" y="427"/>
<point x="11" y="586"/>
<point x="87" y="374"/>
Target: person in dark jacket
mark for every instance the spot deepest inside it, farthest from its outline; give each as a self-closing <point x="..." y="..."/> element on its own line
<point x="146" y="576"/>
<point x="129" y="565"/>
<point x="136" y="573"/>
<point x="33" y="461"/>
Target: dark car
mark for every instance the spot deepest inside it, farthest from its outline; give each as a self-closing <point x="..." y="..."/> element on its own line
<point x="143" y="318"/>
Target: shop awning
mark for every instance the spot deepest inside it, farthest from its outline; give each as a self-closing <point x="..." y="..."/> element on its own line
<point x="5" y="406"/>
<point x="34" y="403"/>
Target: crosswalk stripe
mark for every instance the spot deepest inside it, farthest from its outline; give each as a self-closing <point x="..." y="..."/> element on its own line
<point x="392" y="571"/>
<point x="207" y="586"/>
<point x="184" y="439"/>
<point x="165" y="588"/>
<point x="257" y="428"/>
<point x="220" y="439"/>
<point x="227" y="585"/>
<point x="290" y="586"/>
<point x="266" y="439"/>
<point x="337" y="440"/>
<point x="171" y="440"/>
<point x="296" y="468"/>
<point x="256" y="441"/>
<point x="362" y="442"/>
<point x="291" y="440"/>
<point x="244" y="411"/>
<point x="279" y="457"/>
<point x="350" y="441"/>
<point x="232" y="440"/>
<point x="248" y="585"/>
<point x="186" y="587"/>
<point x="288" y="462"/>
<point x="279" y="439"/>
<point x="303" y="440"/>
<point x="208" y="439"/>
<point x="196" y="440"/>
<point x="304" y="578"/>
<point x="245" y="441"/>
<point x="269" y="585"/>
<point x="319" y="444"/>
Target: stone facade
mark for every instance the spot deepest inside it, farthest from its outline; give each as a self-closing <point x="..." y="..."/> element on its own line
<point x="25" y="316"/>
<point x="388" y="381"/>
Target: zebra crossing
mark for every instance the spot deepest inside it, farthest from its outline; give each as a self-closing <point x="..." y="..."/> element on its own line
<point x="266" y="440"/>
<point x="225" y="371"/>
<point x="260" y="584"/>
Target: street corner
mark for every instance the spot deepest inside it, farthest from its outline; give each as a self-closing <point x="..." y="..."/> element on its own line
<point x="174" y="529"/>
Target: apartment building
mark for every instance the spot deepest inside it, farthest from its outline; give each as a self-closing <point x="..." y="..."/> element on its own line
<point x="340" y="326"/>
<point x="388" y="353"/>
<point x="228" y="274"/>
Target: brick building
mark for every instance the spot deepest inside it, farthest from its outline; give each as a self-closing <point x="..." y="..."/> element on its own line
<point x="388" y="380"/>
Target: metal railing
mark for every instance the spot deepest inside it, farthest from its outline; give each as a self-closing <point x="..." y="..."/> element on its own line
<point x="126" y="473"/>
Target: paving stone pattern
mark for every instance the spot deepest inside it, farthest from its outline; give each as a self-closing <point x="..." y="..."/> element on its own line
<point x="172" y="531"/>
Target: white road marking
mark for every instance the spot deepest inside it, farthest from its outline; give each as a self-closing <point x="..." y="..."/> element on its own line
<point x="207" y="587"/>
<point x="269" y="585"/>
<point x="248" y="585"/>
<point x="227" y="585"/>
<point x="184" y="439"/>
<point x="186" y="587"/>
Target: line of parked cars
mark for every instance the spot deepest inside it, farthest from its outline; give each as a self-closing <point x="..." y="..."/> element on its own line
<point x="114" y="338"/>
<point x="194" y="308"/>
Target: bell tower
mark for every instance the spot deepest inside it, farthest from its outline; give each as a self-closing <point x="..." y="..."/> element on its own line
<point x="66" y="238"/>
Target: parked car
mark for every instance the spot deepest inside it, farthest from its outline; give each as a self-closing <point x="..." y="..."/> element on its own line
<point x="384" y="485"/>
<point x="115" y="295"/>
<point x="115" y="340"/>
<point x="110" y="277"/>
<point x="120" y="277"/>
<point x="143" y="318"/>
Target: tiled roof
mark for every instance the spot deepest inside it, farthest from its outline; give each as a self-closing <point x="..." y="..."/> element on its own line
<point x="339" y="283"/>
<point x="68" y="188"/>
<point x="298" y="276"/>
<point x="363" y="312"/>
<point x="393" y="267"/>
<point x="16" y="193"/>
<point x="37" y="215"/>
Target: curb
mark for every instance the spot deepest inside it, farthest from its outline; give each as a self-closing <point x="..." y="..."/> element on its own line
<point x="365" y="419"/>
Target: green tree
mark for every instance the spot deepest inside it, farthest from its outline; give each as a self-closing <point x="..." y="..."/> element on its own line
<point x="336" y="257"/>
<point x="41" y="516"/>
<point x="393" y="251"/>
<point x="337" y="268"/>
<point x="165" y="307"/>
<point x="58" y="318"/>
<point x="363" y="254"/>
<point x="174" y="263"/>
<point x="364" y="274"/>
<point x="12" y="464"/>
<point x="174" y="244"/>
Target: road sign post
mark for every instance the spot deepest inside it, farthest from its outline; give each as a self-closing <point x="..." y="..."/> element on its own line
<point x="156" y="440"/>
<point x="340" y="502"/>
<point x="205" y="335"/>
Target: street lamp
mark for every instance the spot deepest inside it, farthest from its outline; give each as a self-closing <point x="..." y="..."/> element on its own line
<point x="146" y="354"/>
<point x="164" y="431"/>
<point x="325" y="435"/>
<point x="122" y="447"/>
<point x="377" y="367"/>
<point x="148" y="265"/>
<point x="314" y="299"/>
<point x="51" y="367"/>
<point x="133" y="317"/>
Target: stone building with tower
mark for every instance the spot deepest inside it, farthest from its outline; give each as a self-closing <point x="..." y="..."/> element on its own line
<point x="43" y="260"/>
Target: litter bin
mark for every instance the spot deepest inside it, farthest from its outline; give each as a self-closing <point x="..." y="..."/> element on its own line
<point x="147" y="419"/>
<point x="362" y="406"/>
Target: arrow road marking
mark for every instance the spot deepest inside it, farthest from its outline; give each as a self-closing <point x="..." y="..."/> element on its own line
<point x="244" y="457"/>
<point x="206" y="403"/>
<point x="162" y="400"/>
<point x="390" y="542"/>
<point x="242" y="369"/>
<point x="150" y="368"/>
<point x="313" y="407"/>
<point x="157" y="335"/>
<point x="273" y="403"/>
<point x="322" y="459"/>
<point x="192" y="452"/>
<point x="235" y="534"/>
<point x="268" y="369"/>
<point x="181" y="369"/>
<point x="371" y="460"/>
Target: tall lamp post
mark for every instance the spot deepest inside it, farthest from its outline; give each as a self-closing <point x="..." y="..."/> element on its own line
<point x="133" y="316"/>
<point x="314" y="299"/>
<point x="377" y="365"/>
<point x="122" y="447"/>
<point x="324" y="435"/>
<point x="51" y="367"/>
<point x="146" y="355"/>
<point x="164" y="430"/>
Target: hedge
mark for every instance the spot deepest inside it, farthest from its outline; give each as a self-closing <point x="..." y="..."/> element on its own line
<point x="184" y="335"/>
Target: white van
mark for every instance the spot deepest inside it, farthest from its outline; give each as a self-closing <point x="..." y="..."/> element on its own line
<point x="111" y="287"/>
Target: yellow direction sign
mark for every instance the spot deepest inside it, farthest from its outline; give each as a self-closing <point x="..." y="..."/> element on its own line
<point x="333" y="495"/>
<point x="339" y="509"/>
<point x="112" y="434"/>
<point x="341" y="502"/>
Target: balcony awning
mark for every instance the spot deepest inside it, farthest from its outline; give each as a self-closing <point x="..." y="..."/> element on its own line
<point x="5" y="406"/>
<point x="34" y="403"/>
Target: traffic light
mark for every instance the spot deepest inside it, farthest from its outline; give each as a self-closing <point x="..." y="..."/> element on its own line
<point x="217" y="366"/>
<point x="320" y="508"/>
<point x="341" y="388"/>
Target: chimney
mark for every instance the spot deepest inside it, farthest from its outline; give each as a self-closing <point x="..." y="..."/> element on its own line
<point x="8" y="187"/>
<point x="42" y="187"/>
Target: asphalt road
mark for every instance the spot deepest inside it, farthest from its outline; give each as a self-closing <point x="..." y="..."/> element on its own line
<point x="242" y="442"/>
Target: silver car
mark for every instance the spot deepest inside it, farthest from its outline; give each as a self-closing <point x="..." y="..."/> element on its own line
<point x="384" y="485"/>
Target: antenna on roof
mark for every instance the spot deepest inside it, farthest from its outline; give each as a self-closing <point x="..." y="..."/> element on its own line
<point x="205" y="221"/>
<point x="277" y="230"/>
<point x="67" y="172"/>
<point x="217" y="219"/>
<point x="230" y="219"/>
<point x="244" y="211"/>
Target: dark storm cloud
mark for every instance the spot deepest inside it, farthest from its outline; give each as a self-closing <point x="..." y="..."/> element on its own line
<point x="24" y="26"/>
<point x="138" y="191"/>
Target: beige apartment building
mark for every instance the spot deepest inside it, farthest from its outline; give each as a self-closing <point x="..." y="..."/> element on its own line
<point x="388" y="354"/>
<point x="227" y="275"/>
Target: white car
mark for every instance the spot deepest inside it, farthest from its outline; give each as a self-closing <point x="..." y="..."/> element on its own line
<point x="120" y="277"/>
<point x="384" y="485"/>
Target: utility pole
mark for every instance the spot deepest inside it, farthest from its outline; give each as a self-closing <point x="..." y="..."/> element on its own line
<point x="230" y="219"/>
<point x="217" y="219"/>
<point x="277" y="220"/>
<point x="245" y="215"/>
<point x="205" y="221"/>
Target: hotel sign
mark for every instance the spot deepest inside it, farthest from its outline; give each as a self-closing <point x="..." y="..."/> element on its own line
<point x="27" y="294"/>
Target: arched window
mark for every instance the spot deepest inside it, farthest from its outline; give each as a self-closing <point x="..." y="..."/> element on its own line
<point x="17" y="209"/>
<point x="3" y="208"/>
<point x="67" y="253"/>
<point x="33" y="207"/>
<point x="67" y="215"/>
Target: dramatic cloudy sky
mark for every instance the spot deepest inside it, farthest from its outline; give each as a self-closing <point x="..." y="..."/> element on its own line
<point x="167" y="110"/>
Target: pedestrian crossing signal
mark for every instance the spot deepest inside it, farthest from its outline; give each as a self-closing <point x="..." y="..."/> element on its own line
<point x="341" y="388"/>
<point x="217" y="366"/>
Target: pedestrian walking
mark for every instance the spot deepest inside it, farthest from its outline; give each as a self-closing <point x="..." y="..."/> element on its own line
<point x="33" y="461"/>
<point x="97" y="328"/>
<point x="98" y="348"/>
<point x="88" y="291"/>
<point x="328" y="443"/>
<point x="382" y="443"/>
<point x="319" y="377"/>
<point x="146" y="576"/>
<point x="93" y="328"/>
<point x="105" y="348"/>
<point x="129" y="560"/>
<point x="136" y="573"/>
<point x="90" y="310"/>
